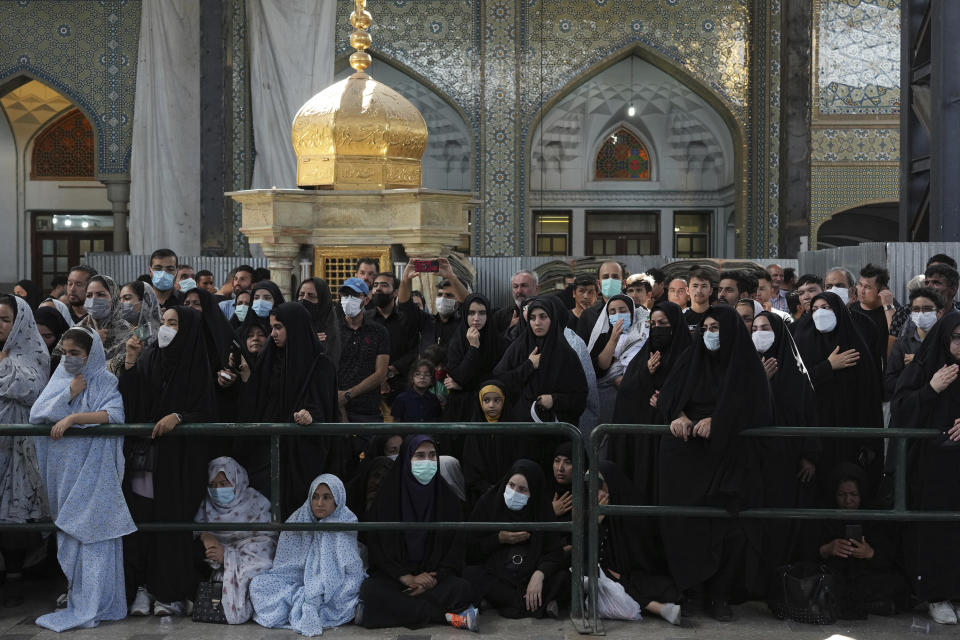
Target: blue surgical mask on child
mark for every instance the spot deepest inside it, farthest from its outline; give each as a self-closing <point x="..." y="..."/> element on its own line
<point x="262" y="307"/>
<point x="616" y="317"/>
<point x="514" y="499"/>
<point x="221" y="495"/>
<point x="423" y="470"/>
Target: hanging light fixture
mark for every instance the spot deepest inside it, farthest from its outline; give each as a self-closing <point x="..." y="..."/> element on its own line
<point x="631" y="110"/>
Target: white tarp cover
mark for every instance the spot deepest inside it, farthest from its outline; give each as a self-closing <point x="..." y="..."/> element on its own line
<point x="165" y="157"/>
<point x="291" y="59"/>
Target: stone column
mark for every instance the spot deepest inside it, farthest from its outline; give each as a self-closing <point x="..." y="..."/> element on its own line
<point x="282" y="262"/>
<point x="118" y="193"/>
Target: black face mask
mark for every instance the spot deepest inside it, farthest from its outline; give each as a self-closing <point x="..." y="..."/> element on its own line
<point x="313" y="308"/>
<point x="382" y="299"/>
<point x="660" y="338"/>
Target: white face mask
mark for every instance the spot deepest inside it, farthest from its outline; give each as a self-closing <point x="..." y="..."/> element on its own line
<point x="351" y="306"/>
<point x="924" y="319"/>
<point x="825" y="320"/>
<point x="445" y="306"/>
<point x="712" y="340"/>
<point x="763" y="340"/>
<point x="842" y="292"/>
<point x="165" y="336"/>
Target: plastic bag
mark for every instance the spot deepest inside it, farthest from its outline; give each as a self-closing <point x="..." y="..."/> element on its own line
<point x="613" y="603"/>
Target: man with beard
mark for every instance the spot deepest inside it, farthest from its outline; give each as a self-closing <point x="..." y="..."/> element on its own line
<point x="77" y="281"/>
<point x="403" y="321"/>
<point x="242" y="281"/>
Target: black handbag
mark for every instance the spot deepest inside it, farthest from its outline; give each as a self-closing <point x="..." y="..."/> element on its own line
<point x="804" y="592"/>
<point x="208" y="606"/>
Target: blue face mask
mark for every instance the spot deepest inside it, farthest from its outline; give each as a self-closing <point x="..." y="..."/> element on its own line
<point x="712" y="340"/>
<point x="221" y="495"/>
<point x="162" y="281"/>
<point x="616" y="317"/>
<point x="514" y="499"/>
<point x="241" y="311"/>
<point x="186" y="284"/>
<point x="423" y="470"/>
<point x="610" y="287"/>
<point x="262" y="307"/>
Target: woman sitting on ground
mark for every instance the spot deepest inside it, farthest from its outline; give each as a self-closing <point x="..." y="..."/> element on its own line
<point x="316" y="575"/>
<point x="238" y="556"/>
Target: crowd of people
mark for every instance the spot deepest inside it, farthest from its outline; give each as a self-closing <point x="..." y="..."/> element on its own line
<point x="706" y="354"/>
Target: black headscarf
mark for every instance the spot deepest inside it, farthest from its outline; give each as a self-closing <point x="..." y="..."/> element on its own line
<point x="560" y="372"/>
<point x="795" y="403"/>
<point x="469" y="366"/>
<point x="217" y="330"/>
<point x="403" y="498"/>
<point x="323" y="317"/>
<point x="492" y="508"/>
<point x="33" y="297"/>
<point x="270" y="286"/>
<point x="174" y="379"/>
<point x="53" y="320"/>
<point x="915" y="404"/>
<point x="357" y="487"/>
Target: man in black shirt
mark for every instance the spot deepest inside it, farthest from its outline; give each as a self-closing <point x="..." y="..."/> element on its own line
<point x="450" y="293"/>
<point x="701" y="287"/>
<point x="877" y="303"/>
<point x="364" y="356"/>
<point x="403" y="322"/>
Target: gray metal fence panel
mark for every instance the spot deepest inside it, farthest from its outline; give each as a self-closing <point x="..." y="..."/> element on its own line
<point x="124" y="268"/>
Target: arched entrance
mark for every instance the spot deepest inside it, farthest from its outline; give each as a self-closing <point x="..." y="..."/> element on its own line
<point x="865" y="222"/>
<point x="49" y="192"/>
<point x="683" y="206"/>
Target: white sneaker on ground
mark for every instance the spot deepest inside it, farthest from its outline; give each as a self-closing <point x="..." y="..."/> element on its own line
<point x="168" y="609"/>
<point x="942" y="612"/>
<point x="141" y="604"/>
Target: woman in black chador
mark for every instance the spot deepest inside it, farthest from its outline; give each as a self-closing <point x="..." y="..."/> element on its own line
<point x="848" y="386"/>
<point x="521" y="573"/>
<point x="717" y="388"/>
<point x="635" y="454"/>
<point x="293" y="382"/>
<point x="928" y="397"/>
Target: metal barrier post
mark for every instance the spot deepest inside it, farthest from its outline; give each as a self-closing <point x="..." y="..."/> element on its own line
<point x="900" y="475"/>
<point x="593" y="529"/>
<point x="275" y="514"/>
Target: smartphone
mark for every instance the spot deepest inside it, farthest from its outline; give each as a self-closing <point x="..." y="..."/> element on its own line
<point x="426" y="266"/>
<point x="854" y="532"/>
<point x="237" y="354"/>
<point x="226" y="376"/>
<point x="142" y="332"/>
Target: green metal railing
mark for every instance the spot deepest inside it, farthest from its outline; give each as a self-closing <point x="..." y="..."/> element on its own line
<point x="899" y="512"/>
<point x="575" y="527"/>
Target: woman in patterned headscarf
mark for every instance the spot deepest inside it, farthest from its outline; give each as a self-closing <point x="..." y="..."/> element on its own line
<point x="105" y="316"/>
<point x="24" y="368"/>
<point x="240" y="555"/>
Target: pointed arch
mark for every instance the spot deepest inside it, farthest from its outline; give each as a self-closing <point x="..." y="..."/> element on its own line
<point x="623" y="153"/>
<point x="733" y="120"/>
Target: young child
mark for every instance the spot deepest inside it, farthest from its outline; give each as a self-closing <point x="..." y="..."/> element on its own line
<point x="415" y="404"/>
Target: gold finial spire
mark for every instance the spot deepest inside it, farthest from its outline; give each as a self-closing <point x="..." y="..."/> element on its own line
<point x="360" y="40"/>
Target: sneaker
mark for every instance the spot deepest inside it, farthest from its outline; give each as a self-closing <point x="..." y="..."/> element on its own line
<point x="467" y="619"/>
<point x="141" y="604"/>
<point x="671" y="612"/>
<point x="62" y="601"/>
<point x="168" y="609"/>
<point x="942" y="612"/>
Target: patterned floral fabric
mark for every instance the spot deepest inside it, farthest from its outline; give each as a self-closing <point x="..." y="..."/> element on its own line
<point x="23" y="374"/>
<point x="245" y="553"/>
<point x="315" y="580"/>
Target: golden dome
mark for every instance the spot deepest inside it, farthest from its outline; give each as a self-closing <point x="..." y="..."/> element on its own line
<point x="359" y="134"/>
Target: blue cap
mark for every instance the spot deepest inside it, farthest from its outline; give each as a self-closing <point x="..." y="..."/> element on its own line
<point x="356" y="284"/>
